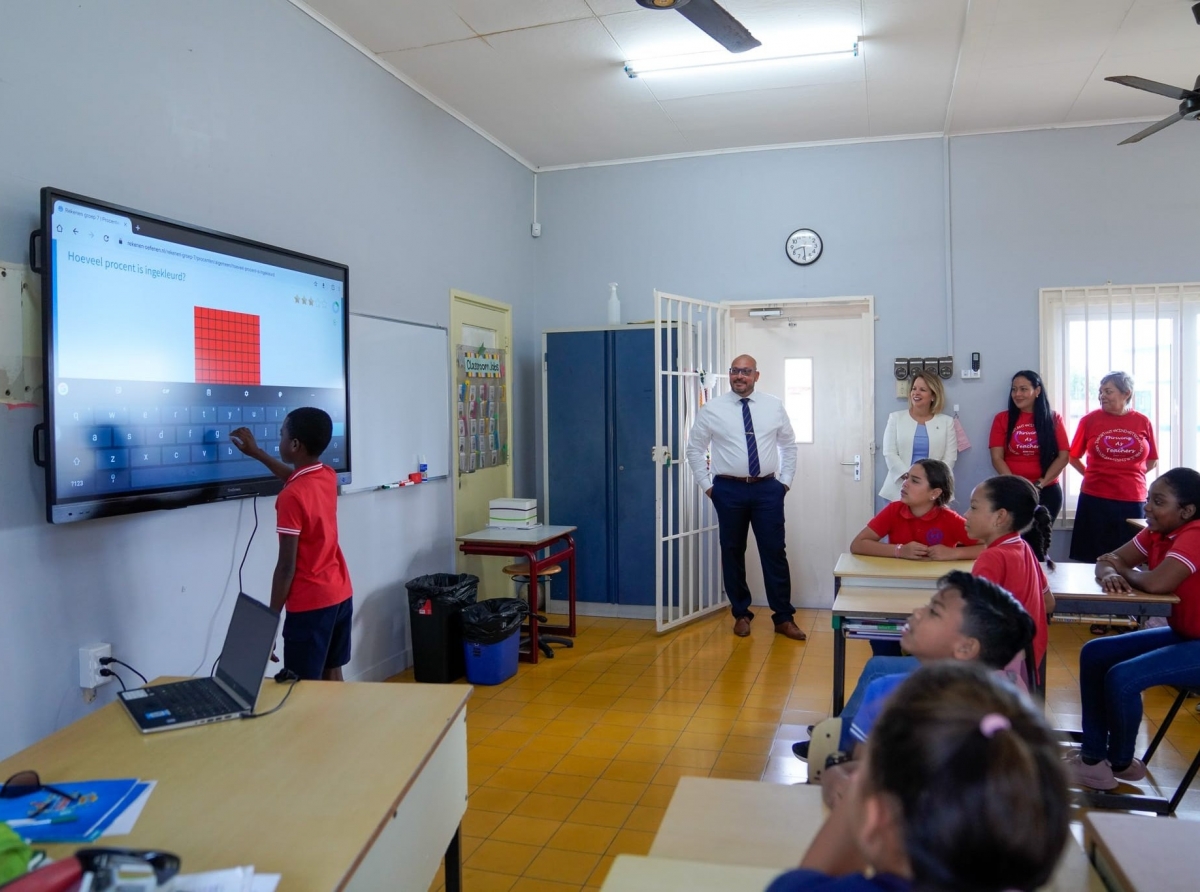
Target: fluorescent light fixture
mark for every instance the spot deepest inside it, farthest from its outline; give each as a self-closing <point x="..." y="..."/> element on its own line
<point x="766" y="313"/>
<point x="721" y="59"/>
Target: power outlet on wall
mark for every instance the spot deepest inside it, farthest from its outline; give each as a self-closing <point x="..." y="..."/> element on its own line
<point x="89" y="665"/>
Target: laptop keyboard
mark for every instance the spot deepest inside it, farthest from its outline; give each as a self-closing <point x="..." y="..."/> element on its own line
<point x="199" y="698"/>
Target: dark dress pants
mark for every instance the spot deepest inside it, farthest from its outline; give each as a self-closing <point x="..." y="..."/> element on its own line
<point x="741" y="506"/>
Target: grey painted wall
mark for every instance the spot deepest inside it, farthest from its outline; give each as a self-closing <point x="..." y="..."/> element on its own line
<point x="247" y="117"/>
<point x="1028" y="210"/>
<point x="1049" y="208"/>
<point x="714" y="228"/>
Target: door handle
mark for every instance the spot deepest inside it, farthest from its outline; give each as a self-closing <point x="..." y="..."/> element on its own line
<point x="857" y="466"/>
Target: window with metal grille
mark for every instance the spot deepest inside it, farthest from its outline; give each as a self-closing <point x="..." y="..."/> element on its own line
<point x="1151" y="332"/>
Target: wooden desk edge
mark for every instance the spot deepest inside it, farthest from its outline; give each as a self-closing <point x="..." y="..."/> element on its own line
<point x="387" y="815"/>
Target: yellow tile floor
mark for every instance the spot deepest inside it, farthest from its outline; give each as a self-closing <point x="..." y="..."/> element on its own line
<point x="573" y="761"/>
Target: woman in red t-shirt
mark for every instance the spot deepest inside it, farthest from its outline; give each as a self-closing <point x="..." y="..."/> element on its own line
<point x="1119" y="445"/>
<point x="919" y="527"/>
<point x="1029" y="440"/>
<point x="1114" y="671"/>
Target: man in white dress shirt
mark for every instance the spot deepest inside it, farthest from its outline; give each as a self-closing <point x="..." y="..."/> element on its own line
<point x="753" y="461"/>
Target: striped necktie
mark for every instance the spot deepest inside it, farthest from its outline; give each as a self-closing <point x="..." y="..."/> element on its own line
<point x="751" y="444"/>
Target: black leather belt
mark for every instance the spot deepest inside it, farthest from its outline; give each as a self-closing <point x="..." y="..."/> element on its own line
<point x="746" y="479"/>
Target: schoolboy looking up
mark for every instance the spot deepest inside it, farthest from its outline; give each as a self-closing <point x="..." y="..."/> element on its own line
<point x="968" y="619"/>
<point x="311" y="579"/>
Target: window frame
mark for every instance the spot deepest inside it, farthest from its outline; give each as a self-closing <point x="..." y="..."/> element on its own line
<point x="1175" y="383"/>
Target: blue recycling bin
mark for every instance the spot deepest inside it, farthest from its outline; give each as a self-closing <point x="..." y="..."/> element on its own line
<point x="492" y="663"/>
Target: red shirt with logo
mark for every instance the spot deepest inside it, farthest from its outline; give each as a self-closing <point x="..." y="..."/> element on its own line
<point x="1183" y="544"/>
<point x="937" y="526"/>
<point x="1021" y="451"/>
<point x="1118" y="448"/>
<point x="1011" y="564"/>
<point x="307" y="507"/>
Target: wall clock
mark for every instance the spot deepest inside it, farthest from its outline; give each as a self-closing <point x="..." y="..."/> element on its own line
<point x="803" y="247"/>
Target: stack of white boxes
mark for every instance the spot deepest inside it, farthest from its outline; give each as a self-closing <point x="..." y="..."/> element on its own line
<point x="513" y="514"/>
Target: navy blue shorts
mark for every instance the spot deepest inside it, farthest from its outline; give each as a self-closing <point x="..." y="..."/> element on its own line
<point x="316" y="640"/>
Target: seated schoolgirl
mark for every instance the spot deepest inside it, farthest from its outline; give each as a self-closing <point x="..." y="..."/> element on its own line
<point x="962" y="788"/>
<point x="1002" y="508"/>
<point x="1113" y="672"/>
<point x="919" y="527"/>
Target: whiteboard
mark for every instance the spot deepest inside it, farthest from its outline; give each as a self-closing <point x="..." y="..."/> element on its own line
<point x="399" y="400"/>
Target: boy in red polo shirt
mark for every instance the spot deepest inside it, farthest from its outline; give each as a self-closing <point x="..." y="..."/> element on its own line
<point x="310" y="578"/>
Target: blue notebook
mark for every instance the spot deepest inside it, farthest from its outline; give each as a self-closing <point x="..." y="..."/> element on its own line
<point x="45" y="817"/>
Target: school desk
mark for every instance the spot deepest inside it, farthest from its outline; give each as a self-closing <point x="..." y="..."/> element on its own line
<point x="879" y="605"/>
<point x="859" y="569"/>
<point x="1137" y="853"/>
<point x="757" y="824"/>
<point x="350" y="786"/>
<point x="637" y="873"/>
<point x="527" y="544"/>
<point x="1076" y="591"/>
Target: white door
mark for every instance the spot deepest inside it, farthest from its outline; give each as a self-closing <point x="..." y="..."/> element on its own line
<point x="818" y="357"/>
<point x="475" y="322"/>
<point x="690" y="338"/>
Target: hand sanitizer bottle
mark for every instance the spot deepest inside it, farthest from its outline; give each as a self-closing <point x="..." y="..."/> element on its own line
<point x="614" y="305"/>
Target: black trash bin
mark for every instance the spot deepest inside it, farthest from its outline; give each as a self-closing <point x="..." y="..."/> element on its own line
<point x="435" y="602"/>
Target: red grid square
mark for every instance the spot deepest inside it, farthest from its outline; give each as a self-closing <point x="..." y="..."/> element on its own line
<point x="227" y="347"/>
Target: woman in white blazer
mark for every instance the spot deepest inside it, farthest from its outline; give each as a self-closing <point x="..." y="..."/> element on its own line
<point x="918" y="432"/>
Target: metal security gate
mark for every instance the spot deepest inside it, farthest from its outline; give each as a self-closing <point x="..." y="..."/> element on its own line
<point x="691" y="343"/>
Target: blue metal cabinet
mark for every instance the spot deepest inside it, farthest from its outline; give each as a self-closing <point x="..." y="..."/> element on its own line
<point x="600" y="477"/>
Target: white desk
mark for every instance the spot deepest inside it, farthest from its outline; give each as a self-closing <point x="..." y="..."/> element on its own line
<point x="882" y="604"/>
<point x="727" y="823"/>
<point x="1139" y="853"/>
<point x="350" y="786"/>
<point x="635" y="873"/>
<point x="859" y="569"/>
<point x="1076" y="591"/>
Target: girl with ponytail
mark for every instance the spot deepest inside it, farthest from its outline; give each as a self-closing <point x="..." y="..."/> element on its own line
<point x="962" y="790"/>
<point x="1002" y="508"/>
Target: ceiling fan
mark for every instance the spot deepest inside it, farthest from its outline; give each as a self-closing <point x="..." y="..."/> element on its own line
<point x="712" y="19"/>
<point x="1189" y="102"/>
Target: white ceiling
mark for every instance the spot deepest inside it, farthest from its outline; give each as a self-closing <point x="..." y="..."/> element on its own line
<point x="544" y="78"/>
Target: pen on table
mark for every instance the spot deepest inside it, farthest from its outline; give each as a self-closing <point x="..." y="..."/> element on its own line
<point x="40" y="822"/>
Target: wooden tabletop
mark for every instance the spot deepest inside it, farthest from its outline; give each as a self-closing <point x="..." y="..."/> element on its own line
<point x="1142" y="853"/>
<point x="757" y="824"/>
<point x="785" y="818"/>
<point x="877" y="602"/>
<point x="635" y="873"/>
<point x="302" y="792"/>
<point x="539" y="535"/>
<point x="858" y="566"/>
<point x="1073" y="580"/>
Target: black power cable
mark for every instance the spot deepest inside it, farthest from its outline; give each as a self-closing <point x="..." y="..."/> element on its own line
<point x="104" y="661"/>
<point x="108" y="673"/>
<point x="258" y="715"/>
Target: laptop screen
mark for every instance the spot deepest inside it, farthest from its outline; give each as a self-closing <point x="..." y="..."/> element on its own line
<point x="247" y="647"/>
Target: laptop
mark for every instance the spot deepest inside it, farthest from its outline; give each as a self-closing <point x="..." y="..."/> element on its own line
<point x="230" y="694"/>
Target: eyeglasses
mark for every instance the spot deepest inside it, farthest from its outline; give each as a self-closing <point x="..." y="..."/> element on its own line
<point x="117" y="864"/>
<point x="26" y="783"/>
<point x="746" y="372"/>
